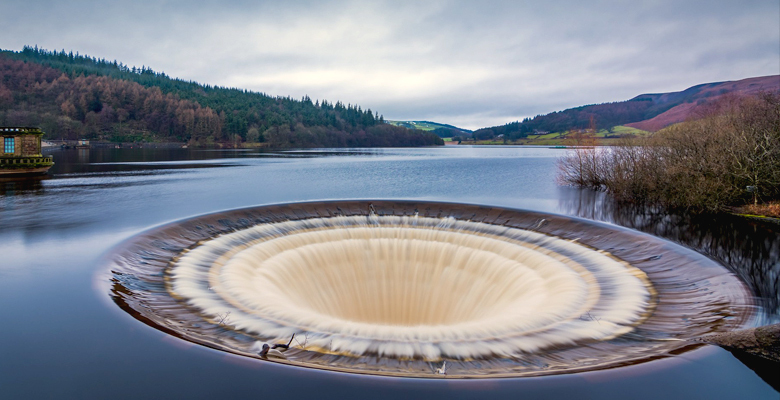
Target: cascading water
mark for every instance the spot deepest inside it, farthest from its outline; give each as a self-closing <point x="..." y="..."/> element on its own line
<point x="378" y="288"/>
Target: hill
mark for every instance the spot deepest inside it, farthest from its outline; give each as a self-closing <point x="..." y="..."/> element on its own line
<point x="441" y="130"/>
<point x="688" y="102"/>
<point x="646" y="112"/>
<point x="74" y="96"/>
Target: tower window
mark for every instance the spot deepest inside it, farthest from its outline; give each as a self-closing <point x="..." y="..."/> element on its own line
<point x="8" y="145"/>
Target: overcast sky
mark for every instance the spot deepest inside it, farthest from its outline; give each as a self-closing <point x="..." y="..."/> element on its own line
<point x="467" y="63"/>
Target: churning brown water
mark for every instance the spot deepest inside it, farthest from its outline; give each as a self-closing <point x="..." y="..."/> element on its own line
<point x="384" y="288"/>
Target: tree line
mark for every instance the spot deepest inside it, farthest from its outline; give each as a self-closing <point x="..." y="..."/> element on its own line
<point x="75" y="96"/>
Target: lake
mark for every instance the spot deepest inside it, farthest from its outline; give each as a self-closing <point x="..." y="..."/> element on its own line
<point x="63" y="337"/>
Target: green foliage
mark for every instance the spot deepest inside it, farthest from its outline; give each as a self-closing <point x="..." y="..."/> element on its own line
<point x="72" y="95"/>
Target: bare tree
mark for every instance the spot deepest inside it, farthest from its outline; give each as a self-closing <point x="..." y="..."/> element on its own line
<point x="728" y="156"/>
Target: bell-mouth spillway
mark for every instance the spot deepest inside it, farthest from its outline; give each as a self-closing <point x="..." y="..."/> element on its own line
<point x="424" y="289"/>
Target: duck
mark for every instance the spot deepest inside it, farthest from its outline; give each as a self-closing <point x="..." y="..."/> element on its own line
<point x="267" y="352"/>
<point x="271" y="351"/>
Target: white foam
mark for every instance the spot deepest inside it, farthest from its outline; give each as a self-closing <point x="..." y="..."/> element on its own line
<point x="412" y="286"/>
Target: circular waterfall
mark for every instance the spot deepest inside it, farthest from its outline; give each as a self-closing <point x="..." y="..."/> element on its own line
<point x="424" y="289"/>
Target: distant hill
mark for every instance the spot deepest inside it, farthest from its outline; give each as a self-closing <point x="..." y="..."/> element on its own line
<point x="441" y="130"/>
<point x="648" y="112"/>
<point x="425" y="125"/>
<point x="74" y="96"/>
<point x="680" y="105"/>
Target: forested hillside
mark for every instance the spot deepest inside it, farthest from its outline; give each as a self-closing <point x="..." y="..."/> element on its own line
<point x="73" y="96"/>
<point x="647" y="112"/>
<point x="605" y="116"/>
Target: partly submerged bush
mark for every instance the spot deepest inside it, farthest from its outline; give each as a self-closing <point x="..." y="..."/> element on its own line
<point x="729" y="156"/>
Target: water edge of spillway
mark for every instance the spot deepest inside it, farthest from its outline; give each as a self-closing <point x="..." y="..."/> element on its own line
<point x="424" y="289"/>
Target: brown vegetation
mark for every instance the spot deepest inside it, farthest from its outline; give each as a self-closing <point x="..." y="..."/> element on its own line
<point x="771" y="209"/>
<point x="729" y="156"/>
<point x="698" y="98"/>
<point x="97" y="106"/>
<point x="677" y="114"/>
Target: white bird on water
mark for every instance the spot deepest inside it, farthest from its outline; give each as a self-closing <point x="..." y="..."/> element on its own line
<point x="443" y="369"/>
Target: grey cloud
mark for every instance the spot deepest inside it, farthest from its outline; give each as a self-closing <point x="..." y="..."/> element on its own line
<point x="474" y="63"/>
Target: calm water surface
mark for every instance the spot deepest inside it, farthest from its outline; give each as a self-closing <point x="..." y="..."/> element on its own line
<point x="61" y="337"/>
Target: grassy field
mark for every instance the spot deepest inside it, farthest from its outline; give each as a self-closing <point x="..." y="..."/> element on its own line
<point x="603" y="138"/>
<point x="619" y="130"/>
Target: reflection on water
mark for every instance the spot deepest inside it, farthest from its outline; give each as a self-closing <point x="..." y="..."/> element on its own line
<point x="27" y="185"/>
<point x="85" y="161"/>
<point x="748" y="247"/>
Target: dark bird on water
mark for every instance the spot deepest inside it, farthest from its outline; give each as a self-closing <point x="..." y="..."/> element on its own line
<point x="273" y="352"/>
<point x="284" y="346"/>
